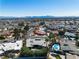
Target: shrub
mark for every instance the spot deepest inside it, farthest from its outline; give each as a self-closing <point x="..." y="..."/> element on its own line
<point x="26" y="52"/>
<point x="41" y="52"/>
<point x="58" y="57"/>
<point x="29" y="53"/>
<point x="2" y="37"/>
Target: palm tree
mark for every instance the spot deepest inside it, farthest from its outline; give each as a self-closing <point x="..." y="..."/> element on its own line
<point x="46" y="40"/>
<point x="16" y="33"/>
<point x="52" y="37"/>
<point x="26" y="28"/>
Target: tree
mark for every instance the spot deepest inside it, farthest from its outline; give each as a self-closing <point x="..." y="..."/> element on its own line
<point x="16" y="33"/>
<point x="46" y="40"/>
<point x="77" y="37"/>
<point x="61" y="33"/>
<point x="36" y="53"/>
<point x="58" y="57"/>
<point x="26" y="52"/>
<point x="21" y="24"/>
<point x="2" y="37"/>
<point x="51" y="35"/>
<point x="26" y="28"/>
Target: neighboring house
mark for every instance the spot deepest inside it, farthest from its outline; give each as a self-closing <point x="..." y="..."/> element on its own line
<point x="17" y="45"/>
<point x="36" y="40"/>
<point x="51" y="27"/>
<point x="71" y="28"/>
<point x="69" y="35"/>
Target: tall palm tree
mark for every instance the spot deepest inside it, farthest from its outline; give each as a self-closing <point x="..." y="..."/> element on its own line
<point x="26" y="28"/>
<point x="16" y="33"/>
<point x="46" y="40"/>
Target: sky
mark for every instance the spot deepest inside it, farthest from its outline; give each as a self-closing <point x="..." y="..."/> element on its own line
<point x="39" y="7"/>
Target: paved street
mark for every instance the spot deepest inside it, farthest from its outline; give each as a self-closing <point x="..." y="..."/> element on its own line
<point x="71" y="46"/>
<point x="70" y="56"/>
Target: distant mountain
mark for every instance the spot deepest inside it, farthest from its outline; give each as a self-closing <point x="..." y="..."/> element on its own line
<point x="49" y="17"/>
<point x="42" y="16"/>
<point x="7" y="17"/>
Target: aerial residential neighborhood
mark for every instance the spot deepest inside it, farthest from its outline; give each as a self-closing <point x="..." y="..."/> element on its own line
<point x="38" y="37"/>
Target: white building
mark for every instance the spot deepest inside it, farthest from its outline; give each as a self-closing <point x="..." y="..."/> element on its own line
<point x="10" y="46"/>
<point x="36" y="40"/>
<point x="70" y="35"/>
<point x="1" y="50"/>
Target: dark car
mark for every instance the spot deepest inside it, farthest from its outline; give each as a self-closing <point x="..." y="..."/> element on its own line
<point x="65" y="45"/>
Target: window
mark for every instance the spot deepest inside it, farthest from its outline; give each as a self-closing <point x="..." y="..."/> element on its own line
<point x="31" y="41"/>
<point x="37" y="39"/>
